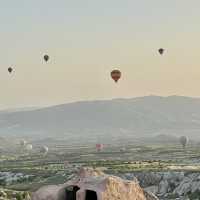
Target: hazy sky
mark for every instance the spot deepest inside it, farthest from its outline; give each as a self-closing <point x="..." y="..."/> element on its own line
<point x="86" y="39"/>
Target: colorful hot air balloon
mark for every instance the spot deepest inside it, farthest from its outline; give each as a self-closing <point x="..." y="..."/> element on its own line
<point x="161" y="51"/>
<point x="99" y="147"/>
<point x="10" y="69"/>
<point x="46" y="58"/>
<point x="115" y="75"/>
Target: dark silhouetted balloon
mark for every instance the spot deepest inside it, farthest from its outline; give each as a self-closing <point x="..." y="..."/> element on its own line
<point x="46" y="58"/>
<point x="183" y="140"/>
<point x="161" y="51"/>
<point x="116" y="75"/>
<point x="10" y="69"/>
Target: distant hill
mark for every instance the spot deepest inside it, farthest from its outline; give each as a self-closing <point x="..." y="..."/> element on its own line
<point x="150" y="114"/>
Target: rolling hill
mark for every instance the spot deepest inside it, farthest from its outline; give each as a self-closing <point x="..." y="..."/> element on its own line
<point x="149" y="114"/>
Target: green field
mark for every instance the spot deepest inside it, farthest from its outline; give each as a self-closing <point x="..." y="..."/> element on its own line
<point x="50" y="169"/>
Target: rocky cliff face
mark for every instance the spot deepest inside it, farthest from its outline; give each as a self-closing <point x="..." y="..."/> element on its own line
<point x="169" y="185"/>
<point x="105" y="187"/>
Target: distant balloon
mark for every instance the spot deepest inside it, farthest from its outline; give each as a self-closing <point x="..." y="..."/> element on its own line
<point x="10" y="69"/>
<point x="115" y="75"/>
<point x="99" y="147"/>
<point x="66" y="164"/>
<point x="44" y="150"/>
<point x="161" y="51"/>
<point x="29" y="147"/>
<point x="23" y="143"/>
<point x="183" y="140"/>
<point x="46" y="58"/>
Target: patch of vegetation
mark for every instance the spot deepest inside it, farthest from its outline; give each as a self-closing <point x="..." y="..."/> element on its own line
<point x="172" y="196"/>
<point x="195" y="195"/>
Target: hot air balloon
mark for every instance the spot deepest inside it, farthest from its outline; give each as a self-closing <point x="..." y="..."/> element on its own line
<point x="183" y="140"/>
<point x="46" y="58"/>
<point x="10" y="69"/>
<point x="115" y="75"/>
<point x="161" y="51"/>
<point x="99" y="147"/>
<point x="23" y="143"/>
<point x="29" y="147"/>
<point x="44" y="150"/>
<point x="66" y="164"/>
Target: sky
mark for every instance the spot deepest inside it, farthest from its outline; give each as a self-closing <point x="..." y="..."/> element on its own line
<point x="87" y="39"/>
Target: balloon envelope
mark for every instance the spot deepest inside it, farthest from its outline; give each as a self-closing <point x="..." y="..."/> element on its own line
<point x="99" y="147"/>
<point x="115" y="75"/>
<point x="10" y="69"/>
<point x="44" y="149"/>
<point x="161" y="51"/>
<point x="29" y="147"/>
<point x="46" y="58"/>
<point x="66" y="163"/>
<point x="23" y="143"/>
<point x="183" y="140"/>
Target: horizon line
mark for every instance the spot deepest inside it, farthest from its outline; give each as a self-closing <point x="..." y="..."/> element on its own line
<point x="35" y="107"/>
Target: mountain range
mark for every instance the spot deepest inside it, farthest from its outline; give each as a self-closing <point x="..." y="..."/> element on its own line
<point x="141" y="115"/>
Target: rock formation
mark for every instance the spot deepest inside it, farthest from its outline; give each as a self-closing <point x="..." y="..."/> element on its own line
<point x="94" y="185"/>
<point x="169" y="185"/>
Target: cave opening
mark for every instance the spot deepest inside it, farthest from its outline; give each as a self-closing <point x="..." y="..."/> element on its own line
<point x="91" y="195"/>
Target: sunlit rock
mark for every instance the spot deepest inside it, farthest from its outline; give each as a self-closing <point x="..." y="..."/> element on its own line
<point x="92" y="184"/>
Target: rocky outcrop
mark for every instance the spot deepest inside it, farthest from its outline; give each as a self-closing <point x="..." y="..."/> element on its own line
<point x="6" y="194"/>
<point x="47" y="193"/>
<point x="184" y="187"/>
<point x="100" y="185"/>
<point x="148" y="179"/>
<point x="169" y="185"/>
<point x="163" y="187"/>
<point x="150" y="196"/>
<point x="152" y="189"/>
